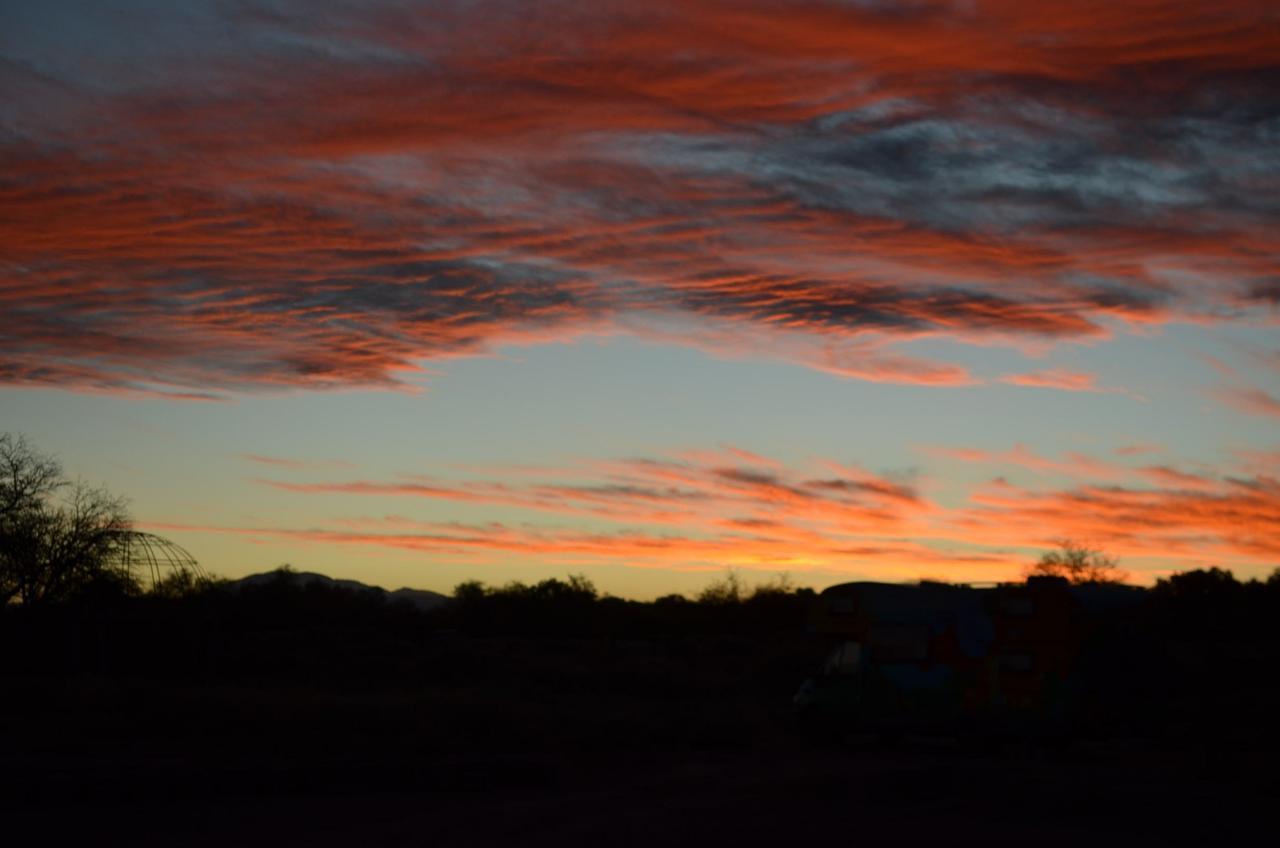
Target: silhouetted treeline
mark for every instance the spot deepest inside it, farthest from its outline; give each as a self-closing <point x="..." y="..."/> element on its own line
<point x="574" y="608"/>
<point x="1198" y="652"/>
<point x="1192" y="662"/>
<point x="1219" y="641"/>
<point x="1211" y="604"/>
<point x="279" y="686"/>
<point x="325" y="633"/>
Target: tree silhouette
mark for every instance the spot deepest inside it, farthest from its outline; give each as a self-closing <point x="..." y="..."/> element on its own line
<point x="51" y="547"/>
<point x="1078" y="564"/>
<point x="728" y="590"/>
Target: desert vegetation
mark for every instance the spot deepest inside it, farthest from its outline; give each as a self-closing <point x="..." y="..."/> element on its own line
<point x="287" y="684"/>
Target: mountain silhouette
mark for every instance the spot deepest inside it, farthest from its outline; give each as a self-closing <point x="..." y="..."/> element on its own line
<point x="421" y="599"/>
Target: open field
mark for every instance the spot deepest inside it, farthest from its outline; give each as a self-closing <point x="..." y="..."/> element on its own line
<point x="457" y="740"/>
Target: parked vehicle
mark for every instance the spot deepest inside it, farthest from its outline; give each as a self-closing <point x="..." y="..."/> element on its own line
<point x="943" y="657"/>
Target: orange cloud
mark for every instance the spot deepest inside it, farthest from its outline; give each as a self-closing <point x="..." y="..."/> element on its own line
<point x="704" y="509"/>
<point x="1227" y="521"/>
<point x="1073" y="464"/>
<point x="1067" y="381"/>
<point x="256" y="215"/>
<point x="1251" y="460"/>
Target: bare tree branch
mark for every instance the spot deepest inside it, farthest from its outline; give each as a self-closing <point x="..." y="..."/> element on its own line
<point x="1078" y="564"/>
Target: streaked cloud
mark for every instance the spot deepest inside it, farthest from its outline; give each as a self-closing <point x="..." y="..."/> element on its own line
<point x="710" y="508"/>
<point x="1224" y="521"/>
<point x="1138" y="449"/>
<point x="1251" y="401"/>
<point x="203" y="199"/>
<point x="296" y="464"/>
<point x="1067" y="381"/>
<point x="1071" y="464"/>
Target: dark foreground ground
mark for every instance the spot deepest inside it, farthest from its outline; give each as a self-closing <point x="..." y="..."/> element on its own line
<point x="779" y="797"/>
<point x="283" y="714"/>
<point x="472" y="741"/>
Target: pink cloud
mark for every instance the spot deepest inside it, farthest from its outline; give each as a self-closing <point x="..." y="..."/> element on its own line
<point x="1067" y="381"/>
<point x="263" y="220"/>
<point x="696" y="509"/>
<point x="1251" y="401"/>
<point x="1138" y="449"/>
<point x="1073" y="464"/>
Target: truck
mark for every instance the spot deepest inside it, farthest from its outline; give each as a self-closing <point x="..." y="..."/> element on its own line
<point x="945" y="658"/>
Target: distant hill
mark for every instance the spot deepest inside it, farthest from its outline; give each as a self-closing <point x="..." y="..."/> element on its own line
<point x="422" y="599"/>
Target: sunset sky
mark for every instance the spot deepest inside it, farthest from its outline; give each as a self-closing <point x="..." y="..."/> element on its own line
<point x="419" y="292"/>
